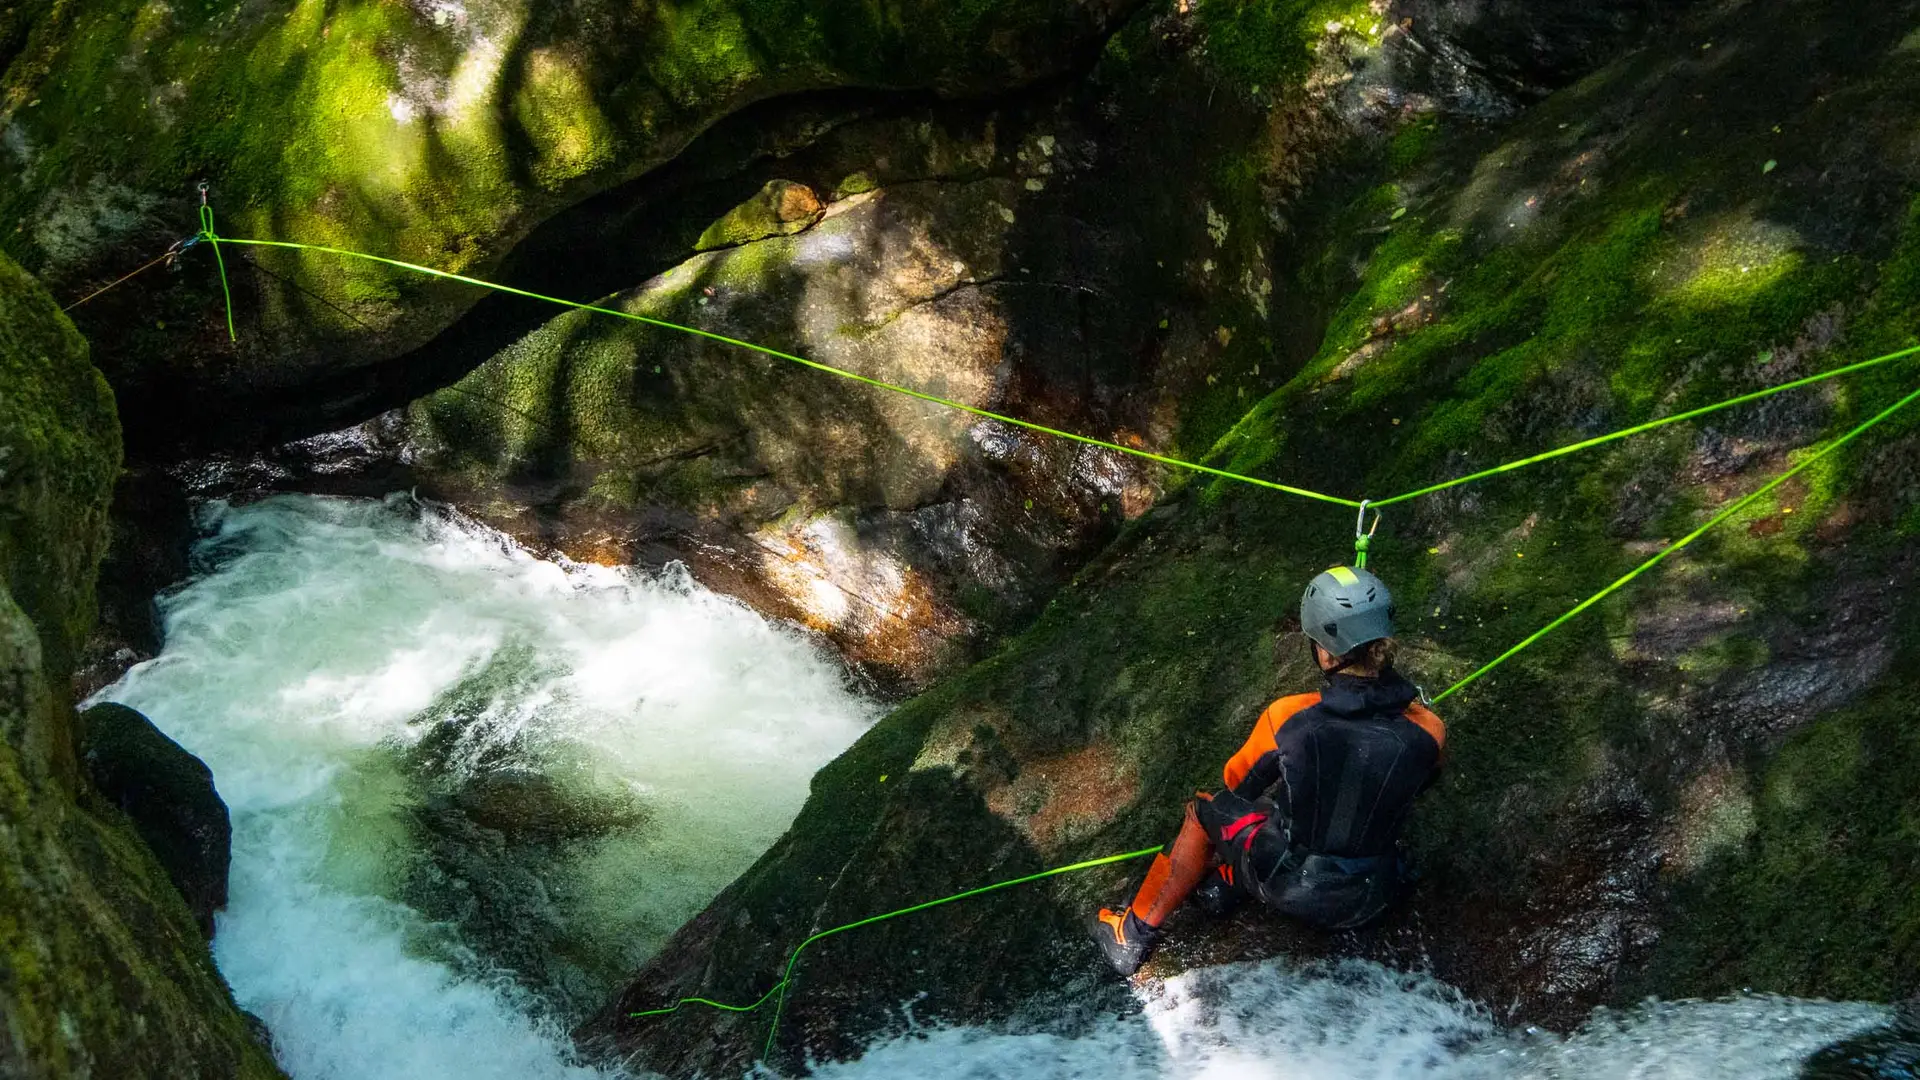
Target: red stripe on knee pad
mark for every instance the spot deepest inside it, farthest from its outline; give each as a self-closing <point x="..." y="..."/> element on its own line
<point x="1245" y="821"/>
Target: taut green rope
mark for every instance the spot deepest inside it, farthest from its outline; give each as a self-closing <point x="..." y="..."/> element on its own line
<point x="1696" y="534"/>
<point x="786" y="979"/>
<point x="207" y="233"/>
<point x="1650" y="425"/>
<point x="801" y="360"/>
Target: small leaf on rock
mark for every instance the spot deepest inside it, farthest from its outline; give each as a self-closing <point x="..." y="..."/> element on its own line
<point x="1769" y="166"/>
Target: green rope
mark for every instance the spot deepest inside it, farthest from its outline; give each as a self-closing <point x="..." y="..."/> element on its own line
<point x="1696" y="534"/>
<point x="803" y="361"/>
<point x="675" y="1007"/>
<point x="786" y="980"/>
<point x="1650" y="425"/>
<point x="212" y="237"/>
<point x="207" y="232"/>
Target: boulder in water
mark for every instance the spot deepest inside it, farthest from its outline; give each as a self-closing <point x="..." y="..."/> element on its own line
<point x="170" y="796"/>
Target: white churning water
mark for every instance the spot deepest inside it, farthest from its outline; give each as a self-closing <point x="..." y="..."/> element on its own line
<point x="351" y="670"/>
<point x="311" y="665"/>
<point x="1360" y="1021"/>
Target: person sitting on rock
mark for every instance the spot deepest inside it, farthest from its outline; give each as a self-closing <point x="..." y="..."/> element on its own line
<point x="1348" y="762"/>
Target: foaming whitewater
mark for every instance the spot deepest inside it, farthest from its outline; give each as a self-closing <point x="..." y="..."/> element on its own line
<point x="1358" y="1021"/>
<point x="404" y="711"/>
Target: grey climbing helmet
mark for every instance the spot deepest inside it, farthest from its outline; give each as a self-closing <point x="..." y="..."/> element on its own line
<point x="1345" y="608"/>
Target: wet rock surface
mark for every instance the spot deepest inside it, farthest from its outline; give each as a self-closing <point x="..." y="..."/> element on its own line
<point x="889" y="524"/>
<point x="1890" y="1054"/>
<point x="495" y="827"/>
<point x="146" y="555"/>
<point x="170" y="798"/>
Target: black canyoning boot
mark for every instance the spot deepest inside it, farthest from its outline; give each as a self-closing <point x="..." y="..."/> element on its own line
<point x="1124" y="939"/>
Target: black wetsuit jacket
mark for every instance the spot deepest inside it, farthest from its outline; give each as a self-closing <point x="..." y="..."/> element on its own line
<point x="1347" y="762"/>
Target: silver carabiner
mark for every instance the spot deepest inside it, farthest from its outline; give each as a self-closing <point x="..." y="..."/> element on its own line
<point x="1363" y="536"/>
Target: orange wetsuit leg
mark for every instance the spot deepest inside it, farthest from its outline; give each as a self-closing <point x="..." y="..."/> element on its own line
<point x="1176" y="874"/>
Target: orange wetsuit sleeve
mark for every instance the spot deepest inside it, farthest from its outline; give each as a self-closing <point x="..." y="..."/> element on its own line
<point x="1260" y="742"/>
<point x="1432" y="725"/>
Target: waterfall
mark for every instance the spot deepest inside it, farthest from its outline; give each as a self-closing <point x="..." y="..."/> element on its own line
<point x="471" y="790"/>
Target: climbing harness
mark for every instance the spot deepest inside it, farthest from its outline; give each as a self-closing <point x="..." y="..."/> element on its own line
<point x="1363" y="533"/>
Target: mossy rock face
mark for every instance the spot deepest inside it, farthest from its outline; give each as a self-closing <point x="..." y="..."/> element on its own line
<point x="437" y="133"/>
<point x="169" y="796"/>
<point x="1038" y="259"/>
<point x="106" y="972"/>
<point x="147" y="553"/>
<point x="1698" y="786"/>
<point x="59" y="456"/>
<point x="853" y="509"/>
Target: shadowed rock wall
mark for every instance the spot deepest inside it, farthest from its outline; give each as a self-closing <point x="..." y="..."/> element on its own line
<point x="103" y="971"/>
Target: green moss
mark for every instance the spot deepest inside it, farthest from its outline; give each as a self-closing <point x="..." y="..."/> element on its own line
<point x="1722" y="654"/>
<point x="781" y="208"/>
<point x="106" y="971"/>
<point x="1236" y="319"/>
<point x="432" y="134"/>
<point x="59" y="458"/>
<point x="1412" y="144"/>
<point x="1823" y="897"/>
<point x="556" y="108"/>
<point x="1616" y="286"/>
<point x="1272" y="43"/>
<point x="856" y="183"/>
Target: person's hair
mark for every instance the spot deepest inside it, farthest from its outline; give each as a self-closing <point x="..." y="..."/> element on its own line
<point x="1375" y="658"/>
